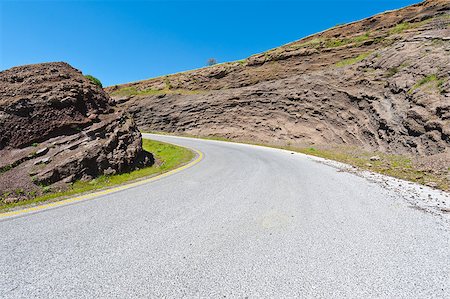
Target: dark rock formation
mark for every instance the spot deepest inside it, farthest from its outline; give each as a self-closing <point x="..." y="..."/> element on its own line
<point x="56" y="127"/>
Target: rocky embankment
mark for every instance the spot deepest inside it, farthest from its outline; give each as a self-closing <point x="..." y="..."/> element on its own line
<point x="56" y="126"/>
<point x="380" y="84"/>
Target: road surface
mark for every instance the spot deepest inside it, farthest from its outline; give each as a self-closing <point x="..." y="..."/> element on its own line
<point x="246" y="221"/>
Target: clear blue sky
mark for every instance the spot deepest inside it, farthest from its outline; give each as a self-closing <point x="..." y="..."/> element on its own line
<point x="123" y="41"/>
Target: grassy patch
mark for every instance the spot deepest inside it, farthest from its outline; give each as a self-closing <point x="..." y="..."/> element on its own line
<point x="353" y="60"/>
<point x="337" y="42"/>
<point x="94" y="80"/>
<point x="391" y="72"/>
<point x="334" y="43"/>
<point x="313" y="43"/>
<point x="131" y="91"/>
<point x="361" y="38"/>
<point x="400" y="28"/>
<point x="428" y="80"/>
<point x="320" y="42"/>
<point x="398" y="166"/>
<point x="168" y="157"/>
<point x="167" y="83"/>
<point x="394" y="70"/>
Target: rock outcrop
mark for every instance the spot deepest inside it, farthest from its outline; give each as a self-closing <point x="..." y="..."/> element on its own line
<point x="381" y="84"/>
<point x="56" y="127"/>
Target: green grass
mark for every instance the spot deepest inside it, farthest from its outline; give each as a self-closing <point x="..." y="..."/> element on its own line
<point x="337" y="42"/>
<point x="320" y="42"/>
<point x="167" y="156"/>
<point x="400" y="28"/>
<point x="313" y="43"/>
<point x="334" y="43"/>
<point x="167" y="83"/>
<point x="398" y="166"/>
<point x="391" y="72"/>
<point x="94" y="80"/>
<point x="331" y="42"/>
<point x="394" y="70"/>
<point x="130" y="91"/>
<point x="433" y="78"/>
<point x="361" y="38"/>
<point x="353" y="60"/>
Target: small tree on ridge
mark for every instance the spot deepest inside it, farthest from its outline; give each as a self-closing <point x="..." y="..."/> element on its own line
<point x="211" y="61"/>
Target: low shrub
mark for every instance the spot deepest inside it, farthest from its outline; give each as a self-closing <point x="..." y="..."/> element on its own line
<point x="94" y="80"/>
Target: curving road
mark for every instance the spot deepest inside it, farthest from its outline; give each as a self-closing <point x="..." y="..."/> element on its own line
<point x="245" y="221"/>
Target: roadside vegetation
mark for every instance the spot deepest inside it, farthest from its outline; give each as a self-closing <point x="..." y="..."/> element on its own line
<point x="398" y="166"/>
<point x="167" y="157"/>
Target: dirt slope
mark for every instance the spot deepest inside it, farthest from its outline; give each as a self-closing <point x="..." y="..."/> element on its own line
<point x="381" y="84"/>
<point x="56" y="127"/>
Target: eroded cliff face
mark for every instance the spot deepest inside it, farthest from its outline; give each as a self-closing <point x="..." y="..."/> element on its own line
<point x="56" y="127"/>
<point x="380" y="84"/>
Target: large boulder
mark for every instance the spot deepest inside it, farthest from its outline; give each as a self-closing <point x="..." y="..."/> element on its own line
<point x="56" y="126"/>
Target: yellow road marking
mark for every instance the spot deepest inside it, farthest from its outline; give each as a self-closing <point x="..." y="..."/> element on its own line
<point x="103" y="192"/>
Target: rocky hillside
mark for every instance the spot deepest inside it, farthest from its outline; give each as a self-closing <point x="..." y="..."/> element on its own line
<point x="381" y="84"/>
<point x="56" y="127"/>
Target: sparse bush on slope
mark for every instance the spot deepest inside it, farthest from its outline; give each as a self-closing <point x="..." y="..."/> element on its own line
<point x="94" y="80"/>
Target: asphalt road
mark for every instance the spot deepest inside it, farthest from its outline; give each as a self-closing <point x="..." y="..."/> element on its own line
<point x="245" y="221"/>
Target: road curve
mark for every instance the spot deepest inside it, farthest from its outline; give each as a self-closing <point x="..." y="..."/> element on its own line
<point x="245" y="221"/>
